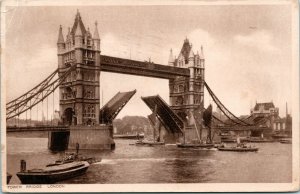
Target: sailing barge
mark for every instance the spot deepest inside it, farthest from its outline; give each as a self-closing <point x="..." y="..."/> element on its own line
<point x="207" y="116"/>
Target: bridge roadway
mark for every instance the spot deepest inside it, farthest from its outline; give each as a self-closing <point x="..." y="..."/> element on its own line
<point x="36" y="128"/>
<point x="150" y="69"/>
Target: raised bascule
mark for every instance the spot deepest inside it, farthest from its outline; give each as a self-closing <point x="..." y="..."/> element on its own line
<point x="79" y="67"/>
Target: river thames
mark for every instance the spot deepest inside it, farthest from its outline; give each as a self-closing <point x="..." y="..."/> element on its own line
<point x="162" y="164"/>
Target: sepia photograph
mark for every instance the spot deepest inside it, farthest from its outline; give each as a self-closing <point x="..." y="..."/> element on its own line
<point x="150" y="96"/>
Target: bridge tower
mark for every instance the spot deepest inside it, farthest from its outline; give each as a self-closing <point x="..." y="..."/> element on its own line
<point x="79" y="94"/>
<point x="79" y="98"/>
<point x="187" y="94"/>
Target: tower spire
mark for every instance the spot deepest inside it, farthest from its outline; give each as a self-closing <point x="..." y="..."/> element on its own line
<point x="96" y="33"/>
<point x="171" y="58"/>
<point x="201" y="53"/>
<point x="77" y="14"/>
<point x="60" y="39"/>
<point x="68" y="35"/>
<point x="78" y="27"/>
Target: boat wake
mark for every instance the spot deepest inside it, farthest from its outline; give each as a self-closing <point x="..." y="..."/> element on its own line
<point x="119" y="160"/>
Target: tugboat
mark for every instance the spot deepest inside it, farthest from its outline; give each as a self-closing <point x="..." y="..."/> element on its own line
<point x="240" y="147"/>
<point x="70" y="166"/>
<point x="52" y="174"/>
<point x="71" y="157"/>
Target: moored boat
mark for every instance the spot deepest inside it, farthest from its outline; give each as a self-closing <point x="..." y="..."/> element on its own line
<point x="129" y="136"/>
<point x="280" y="135"/>
<point x="71" y="157"/>
<point x="286" y="141"/>
<point x="52" y="174"/>
<point x="181" y="145"/>
<point x="238" y="148"/>
<point x="149" y="143"/>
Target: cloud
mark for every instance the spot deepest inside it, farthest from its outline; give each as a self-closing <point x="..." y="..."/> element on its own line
<point x="262" y="40"/>
<point x="200" y="37"/>
<point x="110" y="45"/>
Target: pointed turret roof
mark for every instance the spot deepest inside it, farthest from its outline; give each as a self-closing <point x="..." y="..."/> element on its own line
<point x="78" y="27"/>
<point x="69" y="33"/>
<point x="201" y="53"/>
<point x="60" y="36"/>
<point x="171" y="57"/>
<point x="96" y="33"/>
<point x="191" y="54"/>
<point x="185" y="50"/>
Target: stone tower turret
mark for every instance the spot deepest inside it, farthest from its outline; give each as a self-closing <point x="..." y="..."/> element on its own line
<point x="60" y="47"/>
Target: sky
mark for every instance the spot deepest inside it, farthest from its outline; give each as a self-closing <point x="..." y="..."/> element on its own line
<point x="247" y="49"/>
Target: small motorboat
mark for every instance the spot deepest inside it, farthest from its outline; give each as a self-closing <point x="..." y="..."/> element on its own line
<point x="71" y="157"/>
<point x="238" y="148"/>
<point x="129" y="136"/>
<point x="52" y="174"/>
<point x="195" y="145"/>
<point x="280" y="135"/>
<point x="148" y="143"/>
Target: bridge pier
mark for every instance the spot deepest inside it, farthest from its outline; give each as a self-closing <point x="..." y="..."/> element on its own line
<point x="58" y="140"/>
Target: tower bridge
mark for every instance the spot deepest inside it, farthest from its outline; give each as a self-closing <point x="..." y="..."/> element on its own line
<point x="79" y="66"/>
